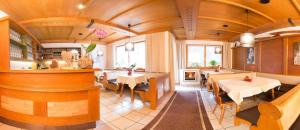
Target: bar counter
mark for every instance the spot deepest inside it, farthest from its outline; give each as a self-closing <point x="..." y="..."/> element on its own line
<point x="49" y="99"/>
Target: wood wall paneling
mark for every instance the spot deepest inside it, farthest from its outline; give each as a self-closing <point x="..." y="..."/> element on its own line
<point x="272" y="56"/>
<point x="238" y="60"/>
<point x="4" y="45"/>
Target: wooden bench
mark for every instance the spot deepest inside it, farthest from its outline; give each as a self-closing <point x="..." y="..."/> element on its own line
<point x="155" y="90"/>
<point x="280" y="114"/>
<point x="110" y="84"/>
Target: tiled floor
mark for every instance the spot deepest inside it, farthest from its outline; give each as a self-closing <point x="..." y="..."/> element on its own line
<point x="119" y="113"/>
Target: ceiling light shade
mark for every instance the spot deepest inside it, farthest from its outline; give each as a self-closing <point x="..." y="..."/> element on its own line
<point x="81" y="6"/>
<point x="218" y="50"/>
<point x="3" y="14"/>
<point x="129" y="46"/>
<point x="247" y="38"/>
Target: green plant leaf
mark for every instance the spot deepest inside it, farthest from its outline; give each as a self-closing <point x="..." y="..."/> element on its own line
<point x="213" y="62"/>
<point x="91" y="47"/>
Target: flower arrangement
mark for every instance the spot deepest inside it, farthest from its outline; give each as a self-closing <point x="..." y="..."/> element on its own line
<point x="86" y="61"/>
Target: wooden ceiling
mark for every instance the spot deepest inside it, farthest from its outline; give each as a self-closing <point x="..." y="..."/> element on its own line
<point x="62" y="21"/>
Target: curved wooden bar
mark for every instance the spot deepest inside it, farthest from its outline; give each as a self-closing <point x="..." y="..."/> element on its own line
<point x="49" y="98"/>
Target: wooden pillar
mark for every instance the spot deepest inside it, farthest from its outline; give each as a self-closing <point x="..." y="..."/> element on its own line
<point x="285" y="55"/>
<point x="4" y="44"/>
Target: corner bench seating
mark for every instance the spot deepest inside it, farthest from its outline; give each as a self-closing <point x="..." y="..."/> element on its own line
<point x="158" y="85"/>
<point x="110" y="84"/>
<point x="280" y="114"/>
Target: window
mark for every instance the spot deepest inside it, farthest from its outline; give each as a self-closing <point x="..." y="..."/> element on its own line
<point x="198" y="55"/>
<point x="121" y="57"/>
<point x="138" y="56"/>
<point x="213" y="58"/>
<point x="195" y="56"/>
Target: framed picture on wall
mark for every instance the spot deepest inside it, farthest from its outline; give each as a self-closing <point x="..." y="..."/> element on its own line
<point x="250" y="55"/>
<point x="297" y="53"/>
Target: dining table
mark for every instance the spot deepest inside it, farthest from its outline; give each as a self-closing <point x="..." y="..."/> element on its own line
<point x="207" y="74"/>
<point x="238" y="89"/>
<point x="132" y="81"/>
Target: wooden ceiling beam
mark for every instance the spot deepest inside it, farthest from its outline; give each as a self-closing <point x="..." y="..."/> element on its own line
<point x="81" y="19"/>
<point x="127" y="10"/>
<point x="108" y="35"/>
<point x="188" y="10"/>
<point x="121" y="38"/>
<point x="156" y="20"/>
<point x="67" y="41"/>
<point x="244" y="7"/>
<point x="226" y="20"/>
<point x="296" y="5"/>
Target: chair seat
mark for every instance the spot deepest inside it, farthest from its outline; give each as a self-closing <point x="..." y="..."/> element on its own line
<point x="225" y="98"/>
<point x="296" y="125"/>
<point x="113" y="81"/>
<point x="251" y="115"/>
<point x="143" y="87"/>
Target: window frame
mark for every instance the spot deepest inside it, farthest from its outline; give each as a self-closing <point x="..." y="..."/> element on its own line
<point x="128" y="55"/>
<point x="187" y="54"/>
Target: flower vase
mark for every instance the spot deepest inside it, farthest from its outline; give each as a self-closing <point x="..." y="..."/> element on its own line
<point x="130" y="72"/>
<point x="86" y="62"/>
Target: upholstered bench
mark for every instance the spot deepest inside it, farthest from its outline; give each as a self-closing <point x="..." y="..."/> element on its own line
<point x="280" y="114"/>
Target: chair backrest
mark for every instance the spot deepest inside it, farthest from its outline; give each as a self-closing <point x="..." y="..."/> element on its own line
<point x="140" y="70"/>
<point x="281" y="113"/>
<point x="105" y="80"/>
<point x="217" y="93"/>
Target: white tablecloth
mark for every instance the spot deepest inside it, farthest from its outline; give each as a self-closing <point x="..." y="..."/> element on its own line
<point x="237" y="89"/>
<point x="209" y="72"/>
<point x="132" y="80"/>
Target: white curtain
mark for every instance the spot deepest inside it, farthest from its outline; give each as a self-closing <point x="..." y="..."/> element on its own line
<point x="227" y="55"/>
<point x="160" y="54"/>
<point x="109" y="56"/>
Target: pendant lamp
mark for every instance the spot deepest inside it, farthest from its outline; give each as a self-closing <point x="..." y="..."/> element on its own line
<point x="247" y="39"/>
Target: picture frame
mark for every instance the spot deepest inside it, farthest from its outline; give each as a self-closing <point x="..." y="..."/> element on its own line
<point x="250" y="53"/>
<point x="296" y="53"/>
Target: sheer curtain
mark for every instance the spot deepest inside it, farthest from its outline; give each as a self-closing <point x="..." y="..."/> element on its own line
<point x="160" y="54"/>
<point x="227" y="55"/>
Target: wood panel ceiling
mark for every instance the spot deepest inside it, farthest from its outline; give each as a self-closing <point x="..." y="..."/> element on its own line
<point x="62" y="21"/>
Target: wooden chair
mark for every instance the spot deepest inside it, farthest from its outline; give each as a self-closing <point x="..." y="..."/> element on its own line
<point x="222" y="99"/>
<point x="141" y="90"/>
<point x="203" y="80"/>
<point x="139" y="70"/>
<point x="110" y="84"/>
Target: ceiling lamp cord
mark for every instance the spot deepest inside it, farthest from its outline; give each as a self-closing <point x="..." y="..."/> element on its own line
<point x="247" y="38"/>
<point x="129" y="45"/>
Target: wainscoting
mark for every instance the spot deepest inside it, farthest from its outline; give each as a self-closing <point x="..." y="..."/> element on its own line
<point x="274" y="55"/>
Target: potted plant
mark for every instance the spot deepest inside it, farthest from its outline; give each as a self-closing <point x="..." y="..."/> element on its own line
<point x="213" y="62"/>
<point x="86" y="61"/>
<point x="131" y="68"/>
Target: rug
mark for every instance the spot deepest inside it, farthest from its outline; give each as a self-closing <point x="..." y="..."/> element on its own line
<point x="184" y="111"/>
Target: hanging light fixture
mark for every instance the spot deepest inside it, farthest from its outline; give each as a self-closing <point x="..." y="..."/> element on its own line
<point x="247" y="39"/>
<point x="129" y="45"/>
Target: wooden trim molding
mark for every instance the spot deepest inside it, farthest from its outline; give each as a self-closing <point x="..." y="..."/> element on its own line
<point x="285" y="55"/>
<point x="296" y="5"/>
<point x="81" y="19"/>
<point x="226" y="20"/>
